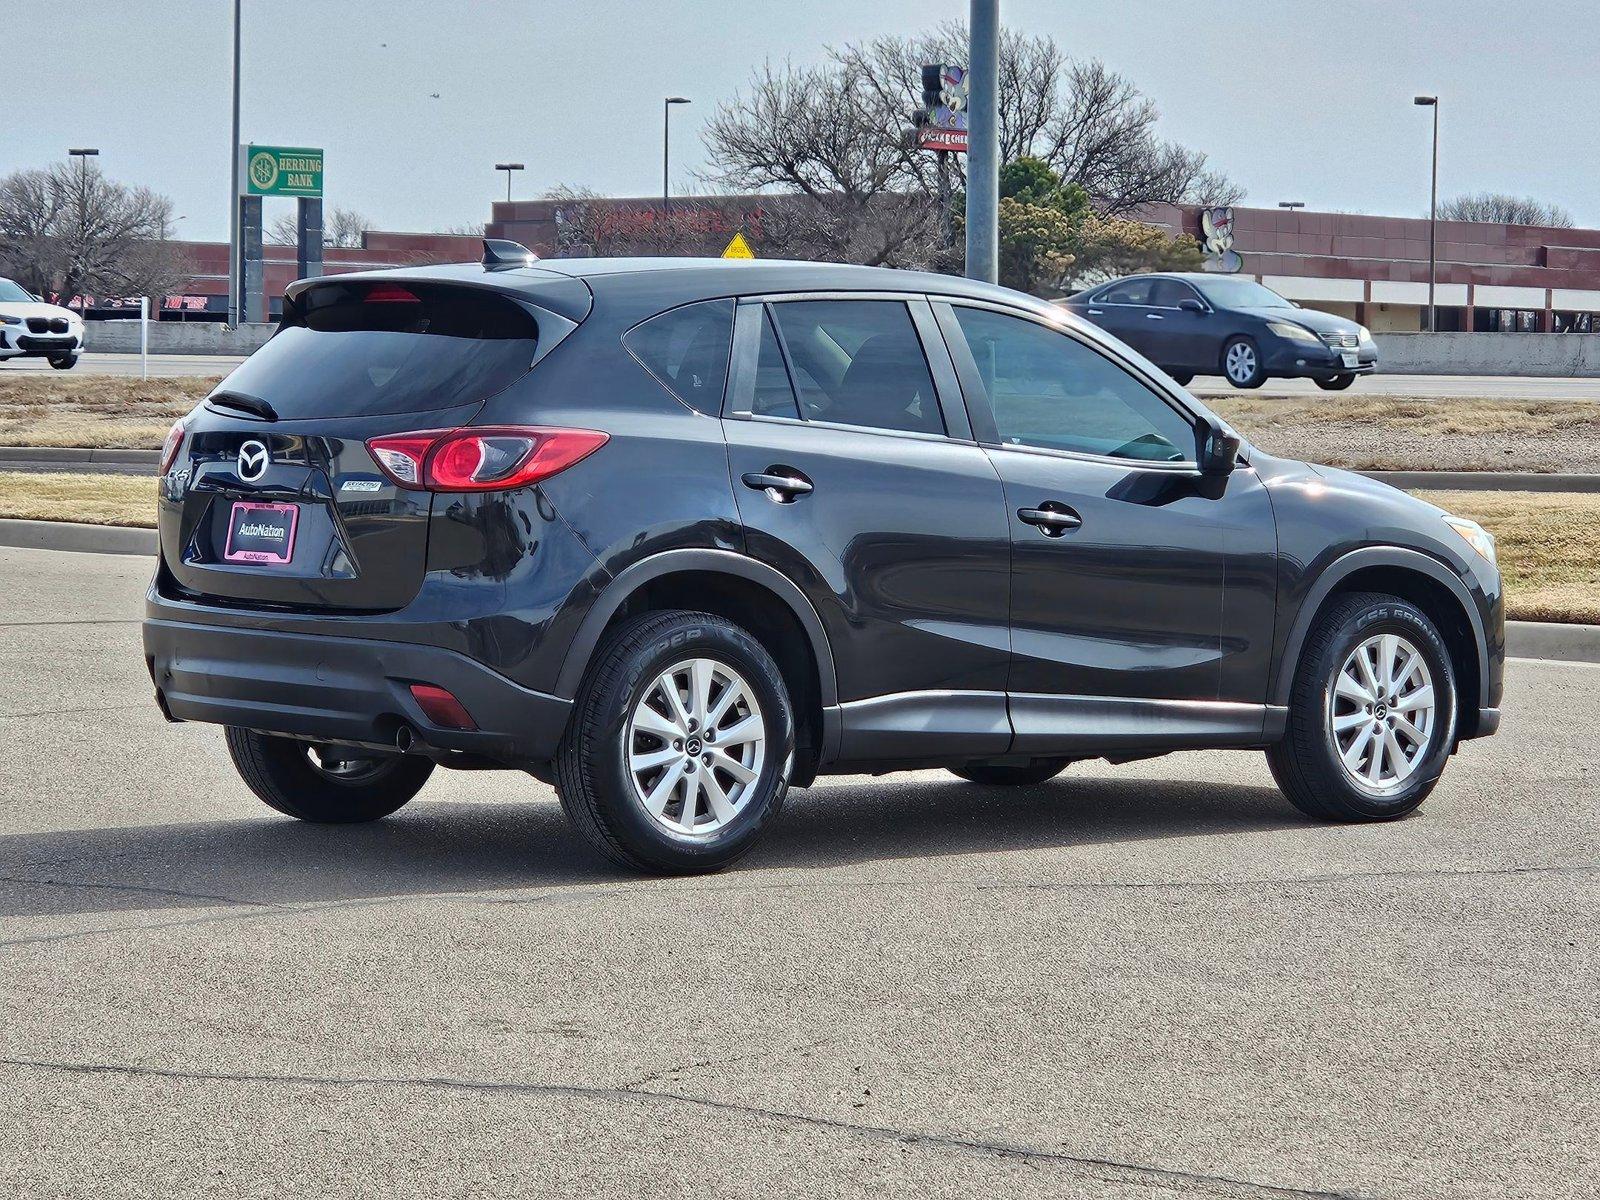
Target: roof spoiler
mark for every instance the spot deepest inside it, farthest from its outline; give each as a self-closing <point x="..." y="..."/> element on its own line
<point x="502" y="255"/>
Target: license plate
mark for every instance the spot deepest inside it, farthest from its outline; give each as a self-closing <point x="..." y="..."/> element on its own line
<point x="1351" y="358"/>
<point x="260" y="532"/>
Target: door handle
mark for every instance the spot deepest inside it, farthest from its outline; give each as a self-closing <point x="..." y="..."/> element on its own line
<point x="1052" y="518"/>
<point x="1095" y="312"/>
<point x="1154" y="317"/>
<point x="783" y="485"/>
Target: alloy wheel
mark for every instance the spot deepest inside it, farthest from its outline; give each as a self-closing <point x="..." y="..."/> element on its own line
<point x="696" y="744"/>
<point x="1241" y="362"/>
<point x="1381" y="713"/>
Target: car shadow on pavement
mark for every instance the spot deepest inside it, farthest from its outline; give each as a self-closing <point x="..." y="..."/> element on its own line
<point x="472" y="847"/>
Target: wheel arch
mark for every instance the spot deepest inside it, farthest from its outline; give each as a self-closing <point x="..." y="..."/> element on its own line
<point x="1417" y="578"/>
<point x="750" y="593"/>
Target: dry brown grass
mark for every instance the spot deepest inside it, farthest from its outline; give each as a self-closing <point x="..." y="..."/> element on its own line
<point x="1549" y="549"/>
<point x="93" y="410"/>
<point x="1383" y="433"/>
<point x="96" y="499"/>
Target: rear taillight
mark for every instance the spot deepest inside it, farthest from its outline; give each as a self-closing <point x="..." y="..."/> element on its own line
<point x="491" y="458"/>
<point x="441" y="707"/>
<point x="170" y="447"/>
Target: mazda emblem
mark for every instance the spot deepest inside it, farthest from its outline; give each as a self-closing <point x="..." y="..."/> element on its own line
<point x="253" y="461"/>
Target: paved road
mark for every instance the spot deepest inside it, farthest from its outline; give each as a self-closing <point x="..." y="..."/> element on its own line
<point x="1502" y="387"/>
<point x="1141" y="981"/>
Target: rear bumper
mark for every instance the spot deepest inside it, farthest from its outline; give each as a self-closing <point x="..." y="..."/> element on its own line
<point x="344" y="690"/>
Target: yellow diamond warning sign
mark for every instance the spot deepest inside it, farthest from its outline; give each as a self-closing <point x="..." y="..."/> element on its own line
<point x="738" y="248"/>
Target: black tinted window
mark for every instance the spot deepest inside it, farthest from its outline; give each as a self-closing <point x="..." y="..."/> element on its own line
<point x="1051" y="391"/>
<point x="687" y="350"/>
<point x="1165" y="293"/>
<point x="774" y="394"/>
<point x="1134" y="291"/>
<point x="361" y="349"/>
<point x="858" y="362"/>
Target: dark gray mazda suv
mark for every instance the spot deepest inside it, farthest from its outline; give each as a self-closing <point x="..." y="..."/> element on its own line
<point x="677" y="535"/>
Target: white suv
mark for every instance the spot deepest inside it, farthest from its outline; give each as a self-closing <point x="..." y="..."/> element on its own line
<point x="30" y="328"/>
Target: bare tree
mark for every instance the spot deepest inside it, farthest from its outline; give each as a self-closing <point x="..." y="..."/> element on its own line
<point x="588" y="224"/>
<point x="70" y="230"/>
<point x="1091" y="125"/>
<point x="340" y="227"/>
<point x="1504" y="208"/>
<point x="833" y="146"/>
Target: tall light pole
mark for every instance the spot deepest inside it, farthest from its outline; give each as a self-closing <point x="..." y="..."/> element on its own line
<point x="666" y="125"/>
<point x="1433" y="211"/>
<point x="1291" y="205"/>
<point x="983" y="143"/>
<point x="233" y="189"/>
<point x="83" y="155"/>
<point x="508" y="168"/>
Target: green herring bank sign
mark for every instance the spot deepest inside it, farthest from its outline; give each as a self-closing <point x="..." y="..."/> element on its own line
<point x="282" y="171"/>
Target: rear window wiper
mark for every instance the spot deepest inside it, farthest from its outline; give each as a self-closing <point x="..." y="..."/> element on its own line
<point x="254" y="405"/>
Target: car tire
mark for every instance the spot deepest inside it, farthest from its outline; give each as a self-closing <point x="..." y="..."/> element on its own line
<point x="1181" y="378"/>
<point x="1344" y="714"/>
<point x="1241" y="363"/>
<point x="995" y="774"/>
<point x="292" y="777"/>
<point x="63" y="362"/>
<point x="633" y="773"/>
<point x="1335" y="383"/>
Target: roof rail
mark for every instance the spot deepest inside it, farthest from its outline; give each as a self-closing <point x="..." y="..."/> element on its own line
<point x="502" y="255"/>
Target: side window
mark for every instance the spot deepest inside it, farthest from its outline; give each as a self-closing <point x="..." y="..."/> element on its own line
<point x="858" y="362"/>
<point x="1165" y="293"/>
<point x="687" y="350"/>
<point x="1051" y="391"/>
<point x="774" y="395"/>
<point x="1134" y="291"/>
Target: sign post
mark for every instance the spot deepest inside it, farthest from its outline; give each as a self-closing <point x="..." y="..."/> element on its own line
<point x="144" y="337"/>
<point x="294" y="171"/>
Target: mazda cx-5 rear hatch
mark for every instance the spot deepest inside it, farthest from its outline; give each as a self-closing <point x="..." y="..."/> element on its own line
<point x="270" y="495"/>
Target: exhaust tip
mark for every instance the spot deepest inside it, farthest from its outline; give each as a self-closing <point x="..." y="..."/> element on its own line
<point x="404" y="739"/>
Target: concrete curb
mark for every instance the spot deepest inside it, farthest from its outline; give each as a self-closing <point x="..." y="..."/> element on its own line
<point x="1548" y="639"/>
<point x="69" y="535"/>
<point x="1524" y="639"/>
<point x="1487" y="481"/>
<point x="71" y="455"/>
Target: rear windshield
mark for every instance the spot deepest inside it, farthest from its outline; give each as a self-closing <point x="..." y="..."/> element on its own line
<point x="368" y="349"/>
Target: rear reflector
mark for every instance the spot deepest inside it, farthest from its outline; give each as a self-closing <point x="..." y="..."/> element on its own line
<point x="440" y="707"/>
<point x="491" y="458"/>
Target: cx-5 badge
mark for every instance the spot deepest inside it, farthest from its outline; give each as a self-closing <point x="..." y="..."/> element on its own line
<point x="253" y="460"/>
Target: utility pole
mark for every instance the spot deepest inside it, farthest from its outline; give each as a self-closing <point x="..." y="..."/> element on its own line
<point x="666" y="124"/>
<point x="233" y="190"/>
<point x="983" y="143"/>
<point x="1433" y="213"/>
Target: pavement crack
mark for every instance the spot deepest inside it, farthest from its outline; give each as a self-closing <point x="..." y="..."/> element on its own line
<point x="1164" y="1177"/>
<point x="72" y="712"/>
<point x="134" y="887"/>
<point x="756" y="1056"/>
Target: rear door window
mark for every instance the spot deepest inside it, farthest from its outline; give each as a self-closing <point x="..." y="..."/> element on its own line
<point x="1133" y="291"/>
<point x="686" y="349"/>
<point x="377" y="347"/>
<point x="859" y="362"/>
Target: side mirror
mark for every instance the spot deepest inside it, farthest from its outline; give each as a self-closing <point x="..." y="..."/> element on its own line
<point x="1219" y="450"/>
<point x="1190" y="304"/>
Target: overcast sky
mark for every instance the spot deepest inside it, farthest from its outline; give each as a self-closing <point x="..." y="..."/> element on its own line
<point x="1295" y="100"/>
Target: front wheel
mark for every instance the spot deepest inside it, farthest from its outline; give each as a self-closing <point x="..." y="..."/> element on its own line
<point x="996" y="774"/>
<point x="63" y="362"/>
<point x="678" y="753"/>
<point x="1181" y="378"/>
<point x="1241" y="363"/>
<point x="1372" y="713"/>
<point x="1336" y="383"/>
<point x="324" y="784"/>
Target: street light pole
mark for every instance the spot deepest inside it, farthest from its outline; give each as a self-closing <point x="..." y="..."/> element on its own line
<point x="1291" y="205"/>
<point x="508" y="168"/>
<point x="233" y="190"/>
<point x="666" y="126"/>
<point x="983" y="143"/>
<point x="1433" y="213"/>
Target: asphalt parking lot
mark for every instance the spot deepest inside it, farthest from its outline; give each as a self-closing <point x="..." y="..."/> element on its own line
<point x="1133" y="981"/>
